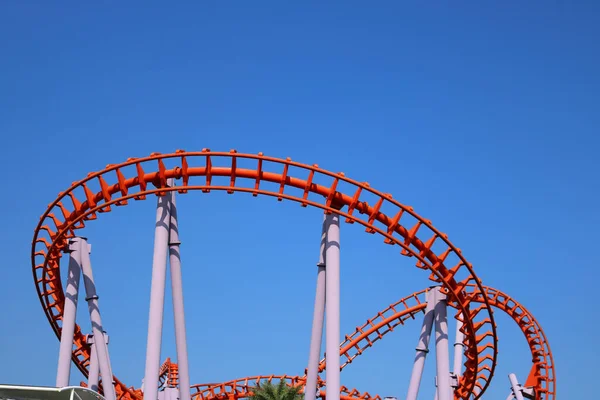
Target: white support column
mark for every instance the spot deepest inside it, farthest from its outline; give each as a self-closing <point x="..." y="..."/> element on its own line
<point x="458" y="354"/>
<point x="458" y="350"/>
<point x="69" y="315"/>
<point x="177" y="293"/>
<point x="106" y="340"/>
<point x="94" y="372"/>
<point x="157" y="297"/>
<point x="516" y="388"/>
<point x="332" y="304"/>
<point x="98" y="332"/>
<point x="422" y="347"/>
<point x="444" y="389"/>
<point x="170" y="394"/>
<point x="310" y="390"/>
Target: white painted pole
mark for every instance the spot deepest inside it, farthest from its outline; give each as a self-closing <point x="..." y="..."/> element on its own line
<point x="458" y="350"/>
<point x="178" y="309"/>
<point x="310" y="390"/>
<point x="516" y="388"/>
<point x="157" y="298"/>
<point x="442" y="355"/>
<point x="98" y="331"/>
<point x="94" y="374"/>
<point x="332" y="306"/>
<point x="68" y="320"/>
<point x="422" y="347"/>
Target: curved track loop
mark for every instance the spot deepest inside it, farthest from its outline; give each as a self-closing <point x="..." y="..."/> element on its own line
<point x="284" y="179"/>
<point x="542" y="375"/>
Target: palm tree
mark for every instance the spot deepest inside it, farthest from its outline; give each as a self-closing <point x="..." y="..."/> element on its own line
<point x="281" y="391"/>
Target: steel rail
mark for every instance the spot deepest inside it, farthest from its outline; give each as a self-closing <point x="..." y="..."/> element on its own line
<point x="71" y="210"/>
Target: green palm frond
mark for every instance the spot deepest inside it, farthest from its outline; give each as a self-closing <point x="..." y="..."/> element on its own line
<point x="282" y="391"/>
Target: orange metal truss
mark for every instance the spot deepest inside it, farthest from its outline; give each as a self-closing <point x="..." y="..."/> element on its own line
<point x="399" y="225"/>
<point x="169" y="374"/>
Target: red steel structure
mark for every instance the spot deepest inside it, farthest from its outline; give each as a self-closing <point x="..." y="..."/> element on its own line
<point x="169" y="374"/>
<point x="338" y="196"/>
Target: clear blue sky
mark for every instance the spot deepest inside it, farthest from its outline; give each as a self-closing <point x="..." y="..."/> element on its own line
<point x="484" y="117"/>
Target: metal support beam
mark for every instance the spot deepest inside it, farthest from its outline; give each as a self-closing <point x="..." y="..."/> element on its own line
<point x="458" y="355"/>
<point x="310" y="391"/>
<point x="157" y="297"/>
<point x="98" y="332"/>
<point x="177" y="293"/>
<point x="458" y="350"/>
<point x="69" y="315"/>
<point x="106" y="339"/>
<point x="516" y="388"/>
<point x="169" y="393"/>
<point x="94" y="373"/>
<point x="422" y="347"/>
<point x="332" y="304"/>
<point x="442" y="355"/>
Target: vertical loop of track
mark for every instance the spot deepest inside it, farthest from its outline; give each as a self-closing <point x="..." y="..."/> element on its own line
<point x="542" y="375"/>
<point x="207" y="171"/>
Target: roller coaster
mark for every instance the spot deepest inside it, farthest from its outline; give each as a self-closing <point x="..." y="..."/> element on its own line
<point x="453" y="282"/>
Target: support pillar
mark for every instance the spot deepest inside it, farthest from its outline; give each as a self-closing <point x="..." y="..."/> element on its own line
<point x="178" y="310"/>
<point x="441" y="347"/>
<point x="422" y="347"/>
<point x="332" y="304"/>
<point x="310" y="390"/>
<point x="69" y="315"/>
<point x="106" y="339"/>
<point x="94" y="373"/>
<point x="516" y="388"/>
<point x="458" y="354"/>
<point x="98" y="332"/>
<point x="458" y="350"/>
<point x="157" y="297"/>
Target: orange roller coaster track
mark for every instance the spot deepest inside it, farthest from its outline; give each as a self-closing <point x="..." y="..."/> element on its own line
<point x="206" y="171"/>
<point x="542" y="376"/>
<point x="169" y="374"/>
